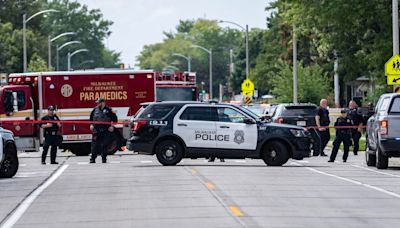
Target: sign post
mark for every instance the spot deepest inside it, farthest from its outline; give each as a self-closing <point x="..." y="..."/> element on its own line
<point x="247" y="90"/>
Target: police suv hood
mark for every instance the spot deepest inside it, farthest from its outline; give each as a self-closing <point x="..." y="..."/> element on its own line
<point x="278" y="125"/>
<point x="4" y="131"/>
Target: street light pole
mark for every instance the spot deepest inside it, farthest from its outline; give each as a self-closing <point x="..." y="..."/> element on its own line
<point x="188" y="59"/>
<point x="209" y="51"/>
<point x="58" y="49"/>
<point x="24" y="21"/>
<point x="50" y="40"/>
<point x="395" y="24"/>
<point x="72" y="54"/>
<point x="246" y="30"/>
<point x="295" y="100"/>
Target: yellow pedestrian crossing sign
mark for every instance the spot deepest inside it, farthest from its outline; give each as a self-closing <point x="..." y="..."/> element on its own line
<point x="393" y="79"/>
<point x="248" y="88"/>
<point x="392" y="66"/>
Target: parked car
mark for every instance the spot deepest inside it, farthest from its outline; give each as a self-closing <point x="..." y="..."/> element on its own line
<point x="383" y="131"/>
<point x="176" y="130"/>
<point x="302" y="115"/>
<point x="8" y="154"/>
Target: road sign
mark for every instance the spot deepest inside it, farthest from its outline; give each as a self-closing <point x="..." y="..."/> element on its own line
<point x="248" y="88"/>
<point x="393" y="79"/>
<point x="392" y="66"/>
<point x="247" y="100"/>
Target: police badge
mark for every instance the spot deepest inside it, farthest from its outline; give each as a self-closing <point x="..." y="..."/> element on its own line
<point x="239" y="137"/>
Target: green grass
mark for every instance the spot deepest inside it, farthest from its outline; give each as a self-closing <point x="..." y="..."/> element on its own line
<point x="332" y="132"/>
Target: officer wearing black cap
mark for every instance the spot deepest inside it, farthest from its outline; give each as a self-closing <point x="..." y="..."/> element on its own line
<point x="101" y="132"/>
<point x="343" y="134"/>
<point x="51" y="135"/>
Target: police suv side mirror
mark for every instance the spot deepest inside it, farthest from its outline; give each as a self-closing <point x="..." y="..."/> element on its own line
<point x="249" y="121"/>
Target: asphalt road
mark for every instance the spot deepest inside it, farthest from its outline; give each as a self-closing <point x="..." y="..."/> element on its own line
<point x="136" y="191"/>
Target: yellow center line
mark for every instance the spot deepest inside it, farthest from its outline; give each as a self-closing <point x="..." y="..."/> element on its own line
<point x="210" y="185"/>
<point x="236" y="211"/>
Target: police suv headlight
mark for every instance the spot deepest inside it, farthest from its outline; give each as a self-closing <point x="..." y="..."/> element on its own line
<point x="298" y="133"/>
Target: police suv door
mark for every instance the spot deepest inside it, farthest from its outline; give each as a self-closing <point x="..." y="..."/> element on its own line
<point x="196" y="126"/>
<point x="233" y="132"/>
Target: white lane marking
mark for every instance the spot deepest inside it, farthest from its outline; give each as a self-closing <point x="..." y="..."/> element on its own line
<point x="375" y="171"/>
<point x="82" y="163"/>
<point x="303" y="161"/>
<point x="20" y="210"/>
<point x="240" y="161"/>
<point x="22" y="165"/>
<point x="115" y="162"/>
<point x="355" y="182"/>
<point x="146" y="161"/>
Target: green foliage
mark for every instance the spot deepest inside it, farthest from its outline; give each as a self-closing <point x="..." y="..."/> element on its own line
<point x="89" y="25"/>
<point x="37" y="64"/>
<point x="313" y="84"/>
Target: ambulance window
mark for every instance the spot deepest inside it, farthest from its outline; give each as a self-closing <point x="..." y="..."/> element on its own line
<point x="199" y="114"/>
<point x="21" y="99"/>
<point x="230" y="115"/>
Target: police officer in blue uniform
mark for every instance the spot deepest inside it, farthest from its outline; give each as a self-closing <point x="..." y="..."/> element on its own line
<point x="342" y="135"/>
<point x="51" y="135"/>
<point x="101" y="132"/>
<point x="357" y="120"/>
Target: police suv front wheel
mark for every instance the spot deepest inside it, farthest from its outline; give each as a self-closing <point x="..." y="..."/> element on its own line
<point x="275" y="154"/>
<point x="169" y="152"/>
<point x="10" y="164"/>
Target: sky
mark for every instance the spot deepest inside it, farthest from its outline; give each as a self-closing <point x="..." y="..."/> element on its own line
<point x="141" y="22"/>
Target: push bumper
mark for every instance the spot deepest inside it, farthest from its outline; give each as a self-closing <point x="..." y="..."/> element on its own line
<point x="301" y="148"/>
<point x="137" y="145"/>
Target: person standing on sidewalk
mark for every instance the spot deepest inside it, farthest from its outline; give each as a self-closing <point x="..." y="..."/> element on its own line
<point x="342" y="135"/>
<point x="322" y="121"/>
<point x="51" y="136"/>
<point x="357" y="119"/>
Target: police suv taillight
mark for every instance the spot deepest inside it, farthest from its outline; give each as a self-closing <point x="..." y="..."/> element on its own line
<point x="138" y="124"/>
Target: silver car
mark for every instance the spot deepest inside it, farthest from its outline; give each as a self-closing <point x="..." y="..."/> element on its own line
<point x="383" y="131"/>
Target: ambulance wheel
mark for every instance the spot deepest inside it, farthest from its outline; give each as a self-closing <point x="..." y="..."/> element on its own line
<point x="169" y="152"/>
<point x="275" y="154"/>
<point x="10" y="164"/>
<point x="115" y="144"/>
<point x="81" y="149"/>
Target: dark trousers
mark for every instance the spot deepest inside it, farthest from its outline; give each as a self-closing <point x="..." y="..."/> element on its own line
<point x="325" y="137"/>
<point x="355" y="135"/>
<point x="345" y="138"/>
<point x="100" y="141"/>
<point x="50" y="140"/>
<point x="316" y="142"/>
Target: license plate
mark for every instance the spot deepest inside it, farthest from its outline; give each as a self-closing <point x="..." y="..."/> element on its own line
<point x="301" y="123"/>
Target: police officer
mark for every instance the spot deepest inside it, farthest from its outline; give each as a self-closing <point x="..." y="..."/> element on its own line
<point x="322" y="121"/>
<point x="357" y="120"/>
<point x="52" y="138"/>
<point x="101" y="132"/>
<point x="342" y="135"/>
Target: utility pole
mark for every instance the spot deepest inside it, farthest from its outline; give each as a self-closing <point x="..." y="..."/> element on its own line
<point x="395" y="20"/>
<point x="336" y="79"/>
<point x="295" y="100"/>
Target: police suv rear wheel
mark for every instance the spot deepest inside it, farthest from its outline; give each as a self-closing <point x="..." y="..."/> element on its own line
<point x="275" y="154"/>
<point x="10" y="164"/>
<point x="169" y="152"/>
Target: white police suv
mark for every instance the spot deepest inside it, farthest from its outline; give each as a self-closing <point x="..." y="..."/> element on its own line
<point x="8" y="154"/>
<point x="176" y="130"/>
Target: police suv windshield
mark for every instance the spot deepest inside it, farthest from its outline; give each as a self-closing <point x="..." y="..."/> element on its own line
<point x="250" y="113"/>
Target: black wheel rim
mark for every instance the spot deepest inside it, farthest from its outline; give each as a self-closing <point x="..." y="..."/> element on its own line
<point x="272" y="154"/>
<point x="169" y="152"/>
<point x="8" y="164"/>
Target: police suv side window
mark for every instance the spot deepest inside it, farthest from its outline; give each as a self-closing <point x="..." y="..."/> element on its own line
<point x="156" y="112"/>
<point x="198" y="114"/>
<point x="230" y="115"/>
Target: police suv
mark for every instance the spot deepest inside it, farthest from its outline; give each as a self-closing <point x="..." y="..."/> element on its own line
<point x="176" y="130"/>
<point x="8" y="154"/>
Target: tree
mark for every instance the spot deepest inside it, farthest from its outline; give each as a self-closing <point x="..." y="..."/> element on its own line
<point x="37" y="64"/>
<point x="313" y="84"/>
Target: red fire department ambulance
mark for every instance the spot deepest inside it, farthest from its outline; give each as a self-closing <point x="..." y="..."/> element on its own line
<point x="73" y="94"/>
<point x="176" y="86"/>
